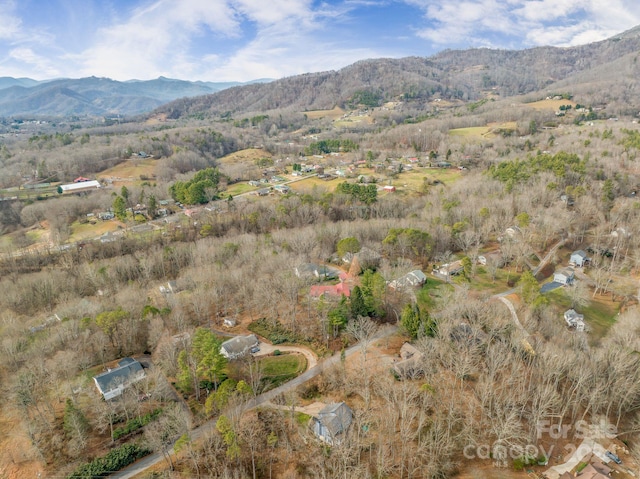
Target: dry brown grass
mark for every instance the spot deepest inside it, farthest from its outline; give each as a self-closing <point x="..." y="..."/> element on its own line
<point x="250" y="155"/>
<point x="131" y="169"/>
<point x="334" y="113"/>
<point x="550" y="104"/>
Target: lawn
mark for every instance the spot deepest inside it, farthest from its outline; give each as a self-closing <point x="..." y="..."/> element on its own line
<point x="484" y="283"/>
<point x="308" y="184"/>
<point x="85" y="231"/>
<point x="277" y="370"/>
<point x="599" y="314"/>
<point x="238" y="189"/>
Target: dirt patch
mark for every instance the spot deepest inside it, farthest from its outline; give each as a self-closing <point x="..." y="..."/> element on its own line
<point x="17" y="459"/>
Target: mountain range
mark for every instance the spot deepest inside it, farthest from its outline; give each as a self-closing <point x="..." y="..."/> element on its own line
<point x="94" y="96"/>
<point x="601" y="73"/>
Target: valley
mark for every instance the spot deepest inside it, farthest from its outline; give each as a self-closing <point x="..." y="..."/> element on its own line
<point x="406" y="268"/>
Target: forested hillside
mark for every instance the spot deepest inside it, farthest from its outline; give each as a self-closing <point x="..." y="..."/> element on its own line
<point x="463" y="75"/>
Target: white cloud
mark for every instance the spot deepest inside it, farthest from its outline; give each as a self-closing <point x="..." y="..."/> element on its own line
<point x="9" y="23"/>
<point x="27" y="56"/>
<point x="527" y="22"/>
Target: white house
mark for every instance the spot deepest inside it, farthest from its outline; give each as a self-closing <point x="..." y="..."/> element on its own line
<point x="113" y="382"/>
<point x="451" y="269"/>
<point x="579" y="258"/>
<point x="332" y="420"/>
<point x="574" y="320"/>
<point x="239" y="346"/>
<point x="564" y="276"/>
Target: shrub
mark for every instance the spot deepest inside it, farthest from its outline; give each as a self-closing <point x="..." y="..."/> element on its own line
<point x="115" y="460"/>
<point x="136" y="423"/>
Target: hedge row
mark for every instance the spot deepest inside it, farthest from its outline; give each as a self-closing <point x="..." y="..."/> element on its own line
<point x="114" y="461"/>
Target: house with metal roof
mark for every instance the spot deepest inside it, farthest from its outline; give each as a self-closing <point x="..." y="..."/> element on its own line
<point x="113" y="382"/>
<point x="411" y="279"/>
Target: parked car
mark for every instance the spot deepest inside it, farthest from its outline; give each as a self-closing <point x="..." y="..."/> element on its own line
<point x="613" y="457"/>
<point x="255" y="349"/>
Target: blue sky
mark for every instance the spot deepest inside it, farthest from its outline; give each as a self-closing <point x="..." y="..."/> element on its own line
<point x="241" y="40"/>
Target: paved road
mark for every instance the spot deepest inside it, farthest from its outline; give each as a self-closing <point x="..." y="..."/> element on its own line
<point x="199" y="432"/>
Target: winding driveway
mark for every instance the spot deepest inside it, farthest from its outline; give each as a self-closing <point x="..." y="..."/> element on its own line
<point x="199" y="432"/>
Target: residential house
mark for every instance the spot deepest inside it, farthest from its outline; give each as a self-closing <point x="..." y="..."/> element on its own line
<point x="564" y="276"/>
<point x="451" y="269"/>
<point x="411" y="279"/>
<point x="492" y="258"/>
<point x="340" y="289"/>
<point x="512" y="232"/>
<point x="284" y="189"/>
<point x="112" y="383"/>
<point x="410" y="363"/>
<point x="262" y="192"/>
<point x="579" y="258"/>
<point x="367" y="258"/>
<point x="229" y="322"/>
<point x="239" y="346"/>
<point x="106" y="215"/>
<point x="574" y="320"/>
<point x="319" y="271"/>
<point x="332" y="421"/>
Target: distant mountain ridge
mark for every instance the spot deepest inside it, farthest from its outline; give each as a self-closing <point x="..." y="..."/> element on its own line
<point x="94" y="96"/>
<point x="452" y="74"/>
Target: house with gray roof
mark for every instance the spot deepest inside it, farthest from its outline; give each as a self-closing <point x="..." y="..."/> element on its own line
<point x="564" y="276"/>
<point x="578" y="258"/>
<point x="237" y="347"/>
<point x="113" y="382"/>
<point x="411" y="279"/>
<point x="318" y="271"/>
<point x="333" y="420"/>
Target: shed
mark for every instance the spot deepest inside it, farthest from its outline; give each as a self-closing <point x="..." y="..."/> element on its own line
<point x="333" y="420"/>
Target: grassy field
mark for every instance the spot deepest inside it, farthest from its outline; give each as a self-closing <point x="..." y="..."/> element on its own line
<point x="599" y="314"/>
<point x="553" y="105"/>
<point x="238" y="189"/>
<point x="133" y="169"/>
<point x="84" y="231"/>
<point x="484" y="283"/>
<point x="307" y="185"/>
<point x="277" y="370"/>
<point x="346" y="122"/>
<point x="334" y="114"/>
<point x="483" y="132"/>
<point x="250" y="155"/>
